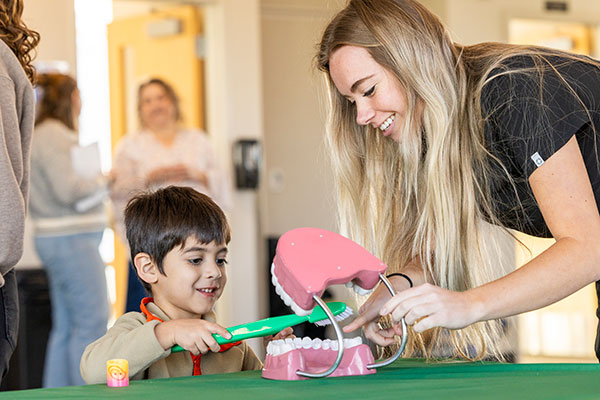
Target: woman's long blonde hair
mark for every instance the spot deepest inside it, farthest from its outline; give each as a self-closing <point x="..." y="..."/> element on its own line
<point x="428" y="195"/>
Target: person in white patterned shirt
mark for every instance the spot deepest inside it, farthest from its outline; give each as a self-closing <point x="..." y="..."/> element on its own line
<point x="163" y="153"/>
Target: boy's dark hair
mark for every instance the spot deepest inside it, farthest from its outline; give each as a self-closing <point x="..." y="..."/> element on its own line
<point x="158" y="221"/>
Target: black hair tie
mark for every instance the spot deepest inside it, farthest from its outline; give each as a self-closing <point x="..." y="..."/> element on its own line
<point x="410" y="282"/>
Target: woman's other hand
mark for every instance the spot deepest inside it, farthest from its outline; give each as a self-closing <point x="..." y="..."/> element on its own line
<point x="428" y="306"/>
<point x="368" y="314"/>
<point x="284" y="334"/>
<point x="173" y="173"/>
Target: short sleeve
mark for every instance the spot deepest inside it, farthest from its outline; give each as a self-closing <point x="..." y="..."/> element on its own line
<point x="531" y="113"/>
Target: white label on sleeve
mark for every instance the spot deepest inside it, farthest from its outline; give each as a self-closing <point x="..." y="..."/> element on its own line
<point x="537" y="159"/>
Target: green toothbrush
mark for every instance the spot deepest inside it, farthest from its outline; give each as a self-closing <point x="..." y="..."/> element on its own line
<point x="271" y="326"/>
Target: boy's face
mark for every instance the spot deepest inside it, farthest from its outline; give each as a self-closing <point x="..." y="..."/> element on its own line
<point x="195" y="278"/>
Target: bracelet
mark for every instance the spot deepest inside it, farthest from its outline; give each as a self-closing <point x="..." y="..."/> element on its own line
<point x="410" y="282"/>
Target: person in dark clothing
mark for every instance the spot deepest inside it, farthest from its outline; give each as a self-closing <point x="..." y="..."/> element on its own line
<point x="432" y="143"/>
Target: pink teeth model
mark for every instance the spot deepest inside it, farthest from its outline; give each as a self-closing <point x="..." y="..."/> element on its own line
<point x="284" y="366"/>
<point x="308" y="260"/>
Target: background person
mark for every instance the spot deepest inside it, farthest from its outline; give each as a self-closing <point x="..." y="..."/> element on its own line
<point x="162" y="154"/>
<point x="66" y="238"/>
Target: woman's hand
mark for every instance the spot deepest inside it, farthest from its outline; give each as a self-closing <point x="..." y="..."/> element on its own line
<point x="199" y="176"/>
<point x="173" y="173"/>
<point x="176" y="173"/>
<point x="284" y="334"/>
<point x="369" y="313"/>
<point x="428" y="306"/>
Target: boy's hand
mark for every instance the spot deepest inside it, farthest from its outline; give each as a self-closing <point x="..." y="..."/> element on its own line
<point x="194" y="335"/>
<point x="284" y="334"/>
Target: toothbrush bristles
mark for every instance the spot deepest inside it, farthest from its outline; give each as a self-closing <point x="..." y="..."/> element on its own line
<point x="340" y="317"/>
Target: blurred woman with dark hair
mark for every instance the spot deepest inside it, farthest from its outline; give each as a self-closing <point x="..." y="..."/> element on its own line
<point x="67" y="236"/>
<point x="163" y="153"/>
<point x="16" y="116"/>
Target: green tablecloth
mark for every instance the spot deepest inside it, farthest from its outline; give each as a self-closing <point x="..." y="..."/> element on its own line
<point x="405" y="379"/>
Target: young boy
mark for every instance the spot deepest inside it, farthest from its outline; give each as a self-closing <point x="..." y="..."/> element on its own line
<point x="178" y="239"/>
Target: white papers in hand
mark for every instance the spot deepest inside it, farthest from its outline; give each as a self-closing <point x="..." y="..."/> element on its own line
<point x="86" y="160"/>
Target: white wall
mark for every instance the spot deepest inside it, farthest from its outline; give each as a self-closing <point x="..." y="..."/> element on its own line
<point x="55" y="22"/>
<point x="297" y="185"/>
<point x="473" y="21"/>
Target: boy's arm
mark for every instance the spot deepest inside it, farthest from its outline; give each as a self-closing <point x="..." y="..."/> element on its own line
<point x="131" y="338"/>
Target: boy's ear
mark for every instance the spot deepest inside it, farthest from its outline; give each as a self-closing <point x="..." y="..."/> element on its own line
<point x="146" y="269"/>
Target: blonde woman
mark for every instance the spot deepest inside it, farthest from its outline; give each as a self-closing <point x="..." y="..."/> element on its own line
<point x="430" y="140"/>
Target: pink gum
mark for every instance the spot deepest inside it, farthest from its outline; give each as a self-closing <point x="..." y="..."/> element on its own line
<point x="284" y="366"/>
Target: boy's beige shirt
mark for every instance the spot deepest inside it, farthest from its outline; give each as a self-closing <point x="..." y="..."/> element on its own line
<point x="133" y="339"/>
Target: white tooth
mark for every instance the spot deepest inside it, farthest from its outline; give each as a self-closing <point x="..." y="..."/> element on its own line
<point x="272" y="268"/>
<point x="286" y="299"/>
<point x="298" y="342"/>
<point x="285" y="348"/>
<point x="270" y="348"/>
<point x="300" y="311"/>
<point x="274" y="280"/>
<point x="358" y="340"/>
<point x="349" y="343"/>
<point x="276" y="350"/>
<point x="349" y="284"/>
<point x="361" y="291"/>
<point x="289" y="341"/>
<point x="296" y="309"/>
<point x="316" y="344"/>
<point x="306" y="342"/>
<point x="326" y="344"/>
<point x="278" y="290"/>
<point x="334" y="345"/>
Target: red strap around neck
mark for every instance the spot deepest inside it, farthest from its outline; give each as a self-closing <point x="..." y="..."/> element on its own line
<point x="195" y="359"/>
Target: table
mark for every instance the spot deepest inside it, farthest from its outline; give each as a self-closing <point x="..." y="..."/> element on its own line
<point x="405" y="379"/>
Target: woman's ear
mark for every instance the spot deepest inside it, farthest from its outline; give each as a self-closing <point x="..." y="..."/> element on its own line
<point x="145" y="267"/>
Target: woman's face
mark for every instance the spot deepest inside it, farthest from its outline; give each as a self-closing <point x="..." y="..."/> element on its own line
<point x="379" y="98"/>
<point x="157" y="110"/>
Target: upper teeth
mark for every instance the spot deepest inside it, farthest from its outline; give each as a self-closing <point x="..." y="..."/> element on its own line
<point x="295" y="307"/>
<point x="285" y="297"/>
<point x="359" y="290"/>
<point x="207" y="290"/>
<point x="278" y="347"/>
<point x="387" y="122"/>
